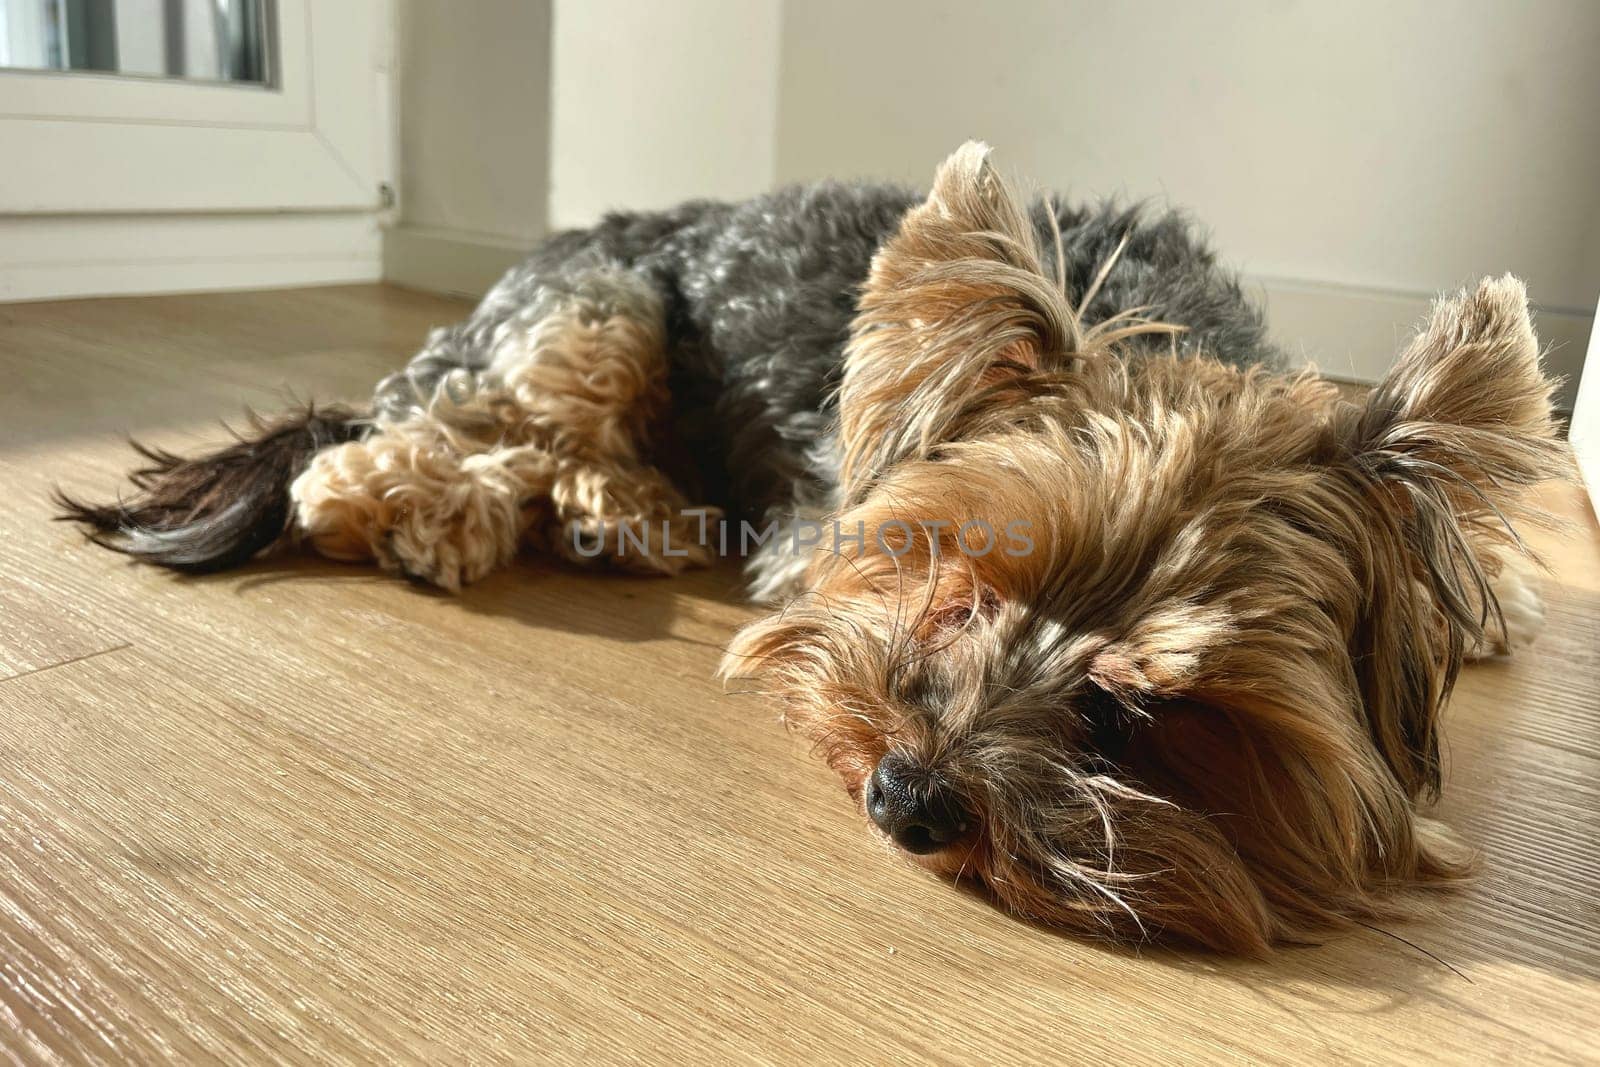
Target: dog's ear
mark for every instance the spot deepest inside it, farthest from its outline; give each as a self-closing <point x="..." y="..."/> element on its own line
<point x="1469" y="393"/>
<point x="1463" y="424"/>
<point x="1445" y="449"/>
<point x="958" y="299"/>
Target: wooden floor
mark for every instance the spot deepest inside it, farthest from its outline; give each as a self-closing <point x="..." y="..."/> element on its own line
<point x="306" y="812"/>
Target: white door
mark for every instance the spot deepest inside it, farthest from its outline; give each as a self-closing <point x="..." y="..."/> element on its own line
<point x="140" y="176"/>
<point x="1585" y="435"/>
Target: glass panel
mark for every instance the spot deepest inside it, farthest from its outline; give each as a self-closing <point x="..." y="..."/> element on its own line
<point x="200" y="40"/>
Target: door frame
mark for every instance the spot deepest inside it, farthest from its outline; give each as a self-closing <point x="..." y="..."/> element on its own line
<point x="313" y="141"/>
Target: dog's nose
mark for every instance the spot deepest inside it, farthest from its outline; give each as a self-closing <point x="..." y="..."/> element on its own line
<point x="917" y="813"/>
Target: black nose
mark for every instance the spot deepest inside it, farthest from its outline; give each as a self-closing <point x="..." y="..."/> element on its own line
<point x="918" y="813"/>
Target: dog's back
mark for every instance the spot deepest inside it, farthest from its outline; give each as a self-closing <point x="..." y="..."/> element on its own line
<point x="756" y="300"/>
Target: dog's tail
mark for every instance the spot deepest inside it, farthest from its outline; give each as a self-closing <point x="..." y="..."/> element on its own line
<point x="219" y="510"/>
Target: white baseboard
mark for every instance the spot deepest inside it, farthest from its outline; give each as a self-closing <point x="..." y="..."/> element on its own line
<point x="447" y="261"/>
<point x="44" y="257"/>
<point x="1354" y="334"/>
<point x="1349" y="333"/>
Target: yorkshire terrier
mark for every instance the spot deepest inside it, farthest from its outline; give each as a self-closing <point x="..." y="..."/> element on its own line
<point x="1082" y="595"/>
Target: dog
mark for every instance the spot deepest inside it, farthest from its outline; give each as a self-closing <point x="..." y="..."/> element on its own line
<point x="1082" y="595"/>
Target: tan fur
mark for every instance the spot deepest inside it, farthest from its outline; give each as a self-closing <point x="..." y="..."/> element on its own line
<point x="1206" y="706"/>
<point x="959" y="296"/>
<point x="544" y="446"/>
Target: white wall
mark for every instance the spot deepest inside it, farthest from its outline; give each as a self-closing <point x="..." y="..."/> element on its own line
<point x="475" y="109"/>
<point x="656" y="103"/>
<point x="1382" y="149"/>
<point x="528" y="115"/>
<point x="1353" y="158"/>
<point x="474" y="133"/>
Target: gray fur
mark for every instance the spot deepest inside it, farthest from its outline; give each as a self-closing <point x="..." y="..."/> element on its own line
<point x="759" y="297"/>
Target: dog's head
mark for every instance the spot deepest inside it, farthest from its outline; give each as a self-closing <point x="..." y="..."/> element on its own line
<point x="1146" y="644"/>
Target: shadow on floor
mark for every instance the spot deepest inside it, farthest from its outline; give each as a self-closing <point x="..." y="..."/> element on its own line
<point x="544" y="594"/>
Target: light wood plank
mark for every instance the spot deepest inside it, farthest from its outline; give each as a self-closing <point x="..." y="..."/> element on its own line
<point x="304" y="811"/>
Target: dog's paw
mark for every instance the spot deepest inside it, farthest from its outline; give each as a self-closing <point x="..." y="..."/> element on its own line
<point x="454" y="537"/>
<point x="1516" y="587"/>
<point x="449" y="555"/>
<point x="427" y="513"/>
<point x="628" y="516"/>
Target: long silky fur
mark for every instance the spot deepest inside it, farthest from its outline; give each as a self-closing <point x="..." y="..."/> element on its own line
<point x="1207" y="707"/>
<point x="214" y="511"/>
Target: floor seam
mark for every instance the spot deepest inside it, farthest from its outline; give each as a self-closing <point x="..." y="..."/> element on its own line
<point x="66" y="662"/>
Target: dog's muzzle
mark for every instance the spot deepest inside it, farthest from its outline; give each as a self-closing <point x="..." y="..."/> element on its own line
<point x="917" y="813"/>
